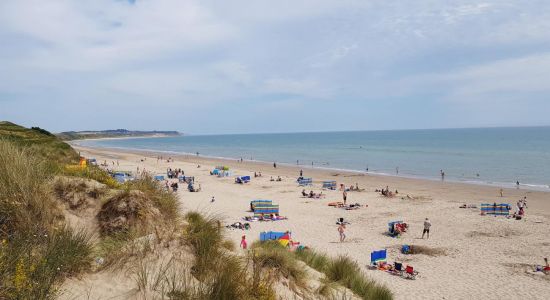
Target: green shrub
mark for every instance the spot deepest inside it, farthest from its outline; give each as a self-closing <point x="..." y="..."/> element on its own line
<point x="166" y="201"/>
<point x="272" y="255"/>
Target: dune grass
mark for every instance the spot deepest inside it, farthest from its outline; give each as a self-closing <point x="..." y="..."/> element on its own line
<point x="274" y="256"/>
<point x="165" y="201"/>
<point x="344" y="271"/>
<point x="36" y="250"/>
<point x="39" y="142"/>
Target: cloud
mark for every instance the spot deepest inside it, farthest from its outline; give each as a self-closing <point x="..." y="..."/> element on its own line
<point x="252" y="57"/>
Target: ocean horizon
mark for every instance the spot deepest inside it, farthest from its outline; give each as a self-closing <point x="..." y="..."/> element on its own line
<point x="497" y="156"/>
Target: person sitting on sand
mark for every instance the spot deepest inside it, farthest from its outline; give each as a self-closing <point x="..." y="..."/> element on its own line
<point x="255" y="175"/>
<point x="311" y="194"/>
<point x="304" y="194"/>
<point x="271" y="179"/>
<point x="279" y="178"/>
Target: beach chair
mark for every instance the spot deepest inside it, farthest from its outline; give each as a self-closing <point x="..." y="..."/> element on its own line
<point x="377" y="257"/>
<point x="329" y="185"/>
<point x="305" y="181"/>
<point x="410" y="273"/>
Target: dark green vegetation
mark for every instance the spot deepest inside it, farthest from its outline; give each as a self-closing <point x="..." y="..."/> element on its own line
<point x="38" y="142"/>
<point x="79" y="135"/>
<point x="346" y="272"/>
<point x="36" y="250"/>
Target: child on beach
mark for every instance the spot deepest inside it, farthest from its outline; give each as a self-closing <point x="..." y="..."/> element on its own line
<point x="427" y="225"/>
<point x="341" y="229"/>
<point x="243" y="242"/>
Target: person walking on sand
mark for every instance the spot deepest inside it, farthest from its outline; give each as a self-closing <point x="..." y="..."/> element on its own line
<point x="243" y="242"/>
<point x="517" y="184"/>
<point x="427" y="225"/>
<point x="501" y="193"/>
<point x="275" y="165"/>
<point x="341" y="231"/>
<point x="301" y="173"/>
<point x="345" y="196"/>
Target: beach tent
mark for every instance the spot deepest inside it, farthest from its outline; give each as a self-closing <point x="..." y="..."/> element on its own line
<point x="242" y="179"/>
<point x="331" y="185"/>
<point x="502" y="209"/>
<point x="159" y="177"/>
<point x="377" y="256"/>
<point x="285" y="239"/>
<point x="305" y="181"/>
<point x="216" y="172"/>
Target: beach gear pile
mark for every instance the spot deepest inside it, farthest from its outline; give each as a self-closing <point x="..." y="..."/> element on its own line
<point x="242" y="179"/>
<point x="396" y="228"/>
<point x="264" y="210"/>
<point x="221" y="171"/>
<point x="378" y="261"/>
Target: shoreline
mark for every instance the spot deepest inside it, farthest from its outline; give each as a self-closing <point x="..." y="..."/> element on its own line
<point x="482" y="190"/>
<point x="504" y="185"/>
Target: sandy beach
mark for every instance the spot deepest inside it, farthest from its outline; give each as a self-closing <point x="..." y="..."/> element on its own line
<point x="479" y="257"/>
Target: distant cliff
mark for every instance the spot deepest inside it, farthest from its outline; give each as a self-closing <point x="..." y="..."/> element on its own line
<point x="79" y="135"/>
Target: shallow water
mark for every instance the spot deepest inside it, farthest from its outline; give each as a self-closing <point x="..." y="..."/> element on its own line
<point x="497" y="156"/>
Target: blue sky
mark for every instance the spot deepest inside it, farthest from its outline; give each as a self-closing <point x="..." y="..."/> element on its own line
<point x="274" y="66"/>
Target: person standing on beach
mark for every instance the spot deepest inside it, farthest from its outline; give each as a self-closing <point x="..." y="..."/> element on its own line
<point x="501" y="193"/>
<point x="213" y="200"/>
<point x="341" y="229"/>
<point x="517" y="184"/>
<point x="427" y="225"/>
<point x="396" y="170"/>
<point x="275" y="165"/>
<point x="345" y="196"/>
<point x="243" y="242"/>
<point x="301" y="173"/>
<point x="442" y="175"/>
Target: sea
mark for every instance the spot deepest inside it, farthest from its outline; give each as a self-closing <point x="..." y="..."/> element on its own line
<point x="490" y="156"/>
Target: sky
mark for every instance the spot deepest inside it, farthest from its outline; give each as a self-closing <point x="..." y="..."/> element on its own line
<point x="204" y="66"/>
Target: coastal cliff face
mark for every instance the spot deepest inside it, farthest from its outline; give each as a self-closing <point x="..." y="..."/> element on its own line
<point x="115" y="133"/>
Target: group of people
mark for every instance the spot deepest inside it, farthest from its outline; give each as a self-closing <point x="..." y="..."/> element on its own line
<point x="386" y="192"/>
<point x="311" y="194"/>
<point x="174" y="173"/>
<point x="161" y="158"/>
<point x="278" y="179"/>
